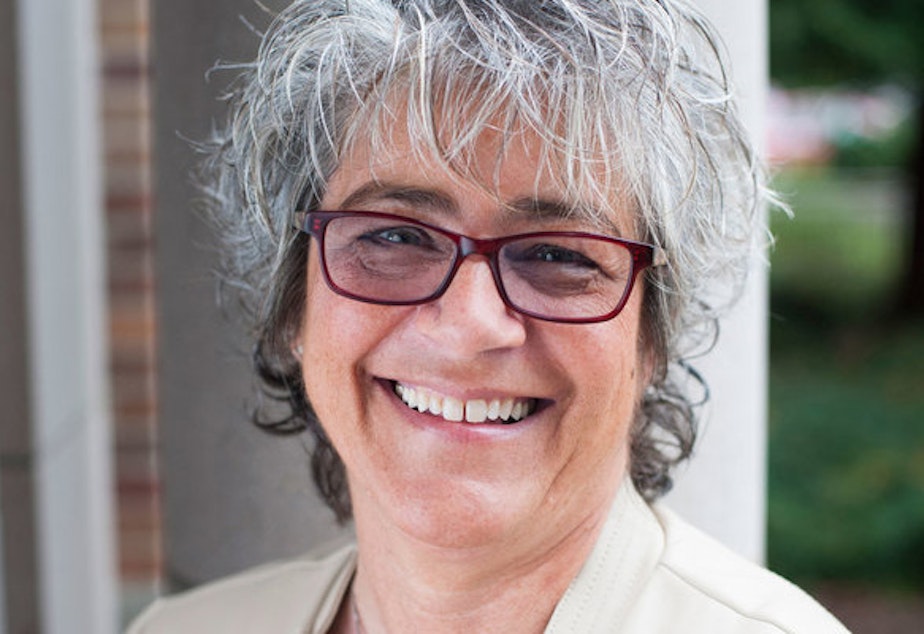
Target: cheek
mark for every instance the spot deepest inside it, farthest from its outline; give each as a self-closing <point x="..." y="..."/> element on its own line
<point x="333" y="325"/>
<point x="326" y="335"/>
<point x="614" y="347"/>
<point x="611" y="370"/>
<point x="317" y="329"/>
<point x="338" y="336"/>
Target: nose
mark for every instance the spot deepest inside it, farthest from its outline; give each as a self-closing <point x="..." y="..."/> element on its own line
<point x="471" y="317"/>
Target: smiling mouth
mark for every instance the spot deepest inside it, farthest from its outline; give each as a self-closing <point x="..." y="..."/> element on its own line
<point x="504" y="411"/>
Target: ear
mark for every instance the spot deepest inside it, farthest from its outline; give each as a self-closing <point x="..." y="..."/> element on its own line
<point x="645" y="372"/>
<point x="296" y="341"/>
<point x="649" y="362"/>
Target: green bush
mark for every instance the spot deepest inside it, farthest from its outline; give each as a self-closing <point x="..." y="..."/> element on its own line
<point x="846" y="492"/>
<point x="892" y="150"/>
<point x="846" y="464"/>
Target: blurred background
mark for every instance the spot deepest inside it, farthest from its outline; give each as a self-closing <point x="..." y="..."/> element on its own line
<point x="846" y="429"/>
<point x="845" y="140"/>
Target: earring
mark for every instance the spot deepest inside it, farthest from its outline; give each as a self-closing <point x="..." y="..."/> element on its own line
<point x="297" y="351"/>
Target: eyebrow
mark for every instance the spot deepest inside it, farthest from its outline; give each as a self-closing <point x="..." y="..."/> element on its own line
<point x="542" y="209"/>
<point x="550" y="210"/>
<point x="414" y="196"/>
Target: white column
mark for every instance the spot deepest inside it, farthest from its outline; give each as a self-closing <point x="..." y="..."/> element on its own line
<point x="60" y="135"/>
<point x="724" y="489"/>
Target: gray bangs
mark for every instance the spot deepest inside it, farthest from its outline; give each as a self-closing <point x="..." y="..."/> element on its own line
<point x="453" y="86"/>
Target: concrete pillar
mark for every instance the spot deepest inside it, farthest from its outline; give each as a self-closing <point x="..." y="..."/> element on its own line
<point x="18" y="600"/>
<point x="67" y="449"/>
<point x="724" y="488"/>
<point x="233" y="495"/>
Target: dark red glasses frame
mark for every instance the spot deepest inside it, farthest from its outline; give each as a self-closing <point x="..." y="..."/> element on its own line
<point x="643" y="256"/>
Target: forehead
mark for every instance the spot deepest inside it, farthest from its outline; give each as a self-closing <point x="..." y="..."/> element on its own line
<point x="526" y="171"/>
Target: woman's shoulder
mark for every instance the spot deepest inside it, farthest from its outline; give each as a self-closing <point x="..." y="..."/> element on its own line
<point x="300" y="594"/>
<point x="697" y="573"/>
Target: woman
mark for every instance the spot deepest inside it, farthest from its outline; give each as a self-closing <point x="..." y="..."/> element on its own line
<point x="476" y="237"/>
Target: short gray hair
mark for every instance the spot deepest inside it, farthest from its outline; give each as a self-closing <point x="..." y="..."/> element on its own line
<point x="627" y="93"/>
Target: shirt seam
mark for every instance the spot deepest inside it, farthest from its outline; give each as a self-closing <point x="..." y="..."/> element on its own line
<point x="684" y="579"/>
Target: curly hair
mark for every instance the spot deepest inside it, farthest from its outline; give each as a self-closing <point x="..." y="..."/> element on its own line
<point x="628" y="94"/>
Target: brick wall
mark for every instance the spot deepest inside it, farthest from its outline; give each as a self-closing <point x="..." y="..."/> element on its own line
<point x="126" y="64"/>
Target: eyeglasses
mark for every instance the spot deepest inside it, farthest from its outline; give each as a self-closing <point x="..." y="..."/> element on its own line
<point x="562" y="276"/>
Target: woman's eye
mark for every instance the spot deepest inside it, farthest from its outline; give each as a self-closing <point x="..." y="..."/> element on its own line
<point x="410" y="236"/>
<point x="553" y="254"/>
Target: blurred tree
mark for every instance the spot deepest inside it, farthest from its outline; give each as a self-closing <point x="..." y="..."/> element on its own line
<point x="827" y="42"/>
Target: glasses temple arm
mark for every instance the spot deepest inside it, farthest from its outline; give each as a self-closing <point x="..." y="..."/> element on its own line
<point x="298" y="221"/>
<point x="658" y="257"/>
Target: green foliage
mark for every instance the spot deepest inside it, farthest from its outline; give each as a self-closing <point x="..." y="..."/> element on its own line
<point x="823" y="42"/>
<point x="893" y="150"/>
<point x="846" y="481"/>
<point x="840" y="258"/>
<point x="847" y="459"/>
<point x="846" y="486"/>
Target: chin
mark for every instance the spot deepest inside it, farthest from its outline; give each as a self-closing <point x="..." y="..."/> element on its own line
<point x="458" y="529"/>
<point x="452" y="514"/>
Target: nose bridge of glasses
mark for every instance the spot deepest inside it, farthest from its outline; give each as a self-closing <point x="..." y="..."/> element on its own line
<point x="475" y="246"/>
<point x="487" y="248"/>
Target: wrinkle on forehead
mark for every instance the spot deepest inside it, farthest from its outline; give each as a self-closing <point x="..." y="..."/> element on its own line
<point x="588" y="188"/>
<point x="438" y="202"/>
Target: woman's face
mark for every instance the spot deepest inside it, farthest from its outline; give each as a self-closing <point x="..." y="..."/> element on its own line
<point x="457" y="483"/>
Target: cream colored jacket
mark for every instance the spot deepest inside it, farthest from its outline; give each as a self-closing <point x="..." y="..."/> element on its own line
<point x="649" y="573"/>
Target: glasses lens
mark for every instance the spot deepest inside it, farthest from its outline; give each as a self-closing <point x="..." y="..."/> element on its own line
<point x="386" y="259"/>
<point x="565" y="277"/>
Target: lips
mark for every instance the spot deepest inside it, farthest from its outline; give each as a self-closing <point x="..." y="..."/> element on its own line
<point x="503" y="410"/>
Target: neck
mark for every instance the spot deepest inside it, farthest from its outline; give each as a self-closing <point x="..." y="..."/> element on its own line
<point x="403" y="584"/>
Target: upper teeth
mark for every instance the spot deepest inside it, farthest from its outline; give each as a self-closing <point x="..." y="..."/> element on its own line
<point x="473" y="411"/>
